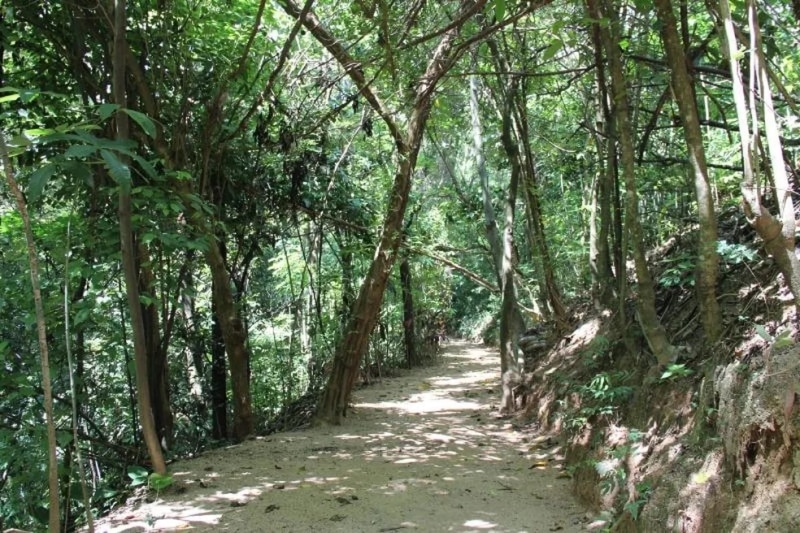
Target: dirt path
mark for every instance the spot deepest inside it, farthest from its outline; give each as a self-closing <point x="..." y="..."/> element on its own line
<point x="425" y="451"/>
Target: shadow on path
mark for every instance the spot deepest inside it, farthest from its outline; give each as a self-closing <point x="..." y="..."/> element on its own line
<point x="424" y="451"/>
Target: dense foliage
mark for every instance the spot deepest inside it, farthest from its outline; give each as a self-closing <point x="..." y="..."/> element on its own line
<point x="260" y="170"/>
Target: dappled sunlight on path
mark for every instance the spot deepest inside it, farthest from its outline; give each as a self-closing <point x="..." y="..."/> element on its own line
<point x="425" y="451"/>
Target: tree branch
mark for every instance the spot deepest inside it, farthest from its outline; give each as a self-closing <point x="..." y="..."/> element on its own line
<point x="352" y="66"/>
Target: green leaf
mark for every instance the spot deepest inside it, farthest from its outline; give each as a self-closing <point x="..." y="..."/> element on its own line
<point x="19" y="141"/>
<point x="38" y="132"/>
<point x="143" y="121"/>
<point x="138" y="475"/>
<point x="9" y="98"/>
<point x="555" y="46"/>
<point x="39" y="179"/>
<point x="79" y="170"/>
<point x="499" y="9"/>
<point x="160" y="481"/>
<point x="81" y="316"/>
<point x="64" y="438"/>
<point x="763" y="333"/>
<point x="119" y="172"/>
<point x="145" y="165"/>
<point x="783" y="340"/>
<point x="80" y="151"/>
<point x="29" y="95"/>
<point x="106" y="110"/>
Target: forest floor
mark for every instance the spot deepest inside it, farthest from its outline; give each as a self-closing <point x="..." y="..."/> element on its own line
<point x="424" y="451"/>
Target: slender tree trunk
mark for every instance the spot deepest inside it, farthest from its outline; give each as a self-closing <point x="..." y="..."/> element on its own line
<point x="364" y="314"/>
<point x="157" y="368"/>
<point x="510" y="324"/>
<point x="54" y="514"/>
<point x="531" y="195"/>
<point x="511" y="321"/>
<point x="496" y="241"/>
<point x="780" y="178"/>
<point x="219" y="378"/>
<point x="409" y="336"/>
<point x="682" y="87"/>
<point x="775" y="233"/>
<point x="646" y="305"/>
<point x="490" y="223"/>
<point x="603" y="285"/>
<point x="194" y="347"/>
<point x="235" y="342"/>
<point x="149" y="432"/>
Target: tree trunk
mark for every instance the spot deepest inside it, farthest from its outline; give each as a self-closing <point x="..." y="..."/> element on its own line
<point x="651" y="326"/>
<point x="157" y="367"/>
<point x="603" y="285"/>
<point x="219" y="378"/>
<point x="780" y="179"/>
<point x="708" y="260"/>
<point x="149" y="432"/>
<point x="412" y="358"/>
<point x="776" y="235"/>
<point x="194" y="345"/>
<point x="54" y="514"/>
<point x="531" y="195"/>
<point x="497" y="243"/>
<point x="490" y="223"/>
<point x="365" y="310"/>
<point x="235" y="339"/>
<point x="511" y="321"/>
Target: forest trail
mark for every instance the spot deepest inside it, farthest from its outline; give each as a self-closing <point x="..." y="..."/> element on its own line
<point x="425" y="451"/>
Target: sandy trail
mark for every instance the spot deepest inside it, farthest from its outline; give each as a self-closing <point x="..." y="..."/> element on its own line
<point x="424" y="451"/>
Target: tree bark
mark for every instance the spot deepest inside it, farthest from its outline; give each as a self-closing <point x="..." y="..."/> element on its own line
<point x="534" y="211"/>
<point x="149" y="432"/>
<point x="511" y="322"/>
<point x="157" y="367"/>
<point x="682" y="87"/>
<point x="780" y="179"/>
<point x="603" y="284"/>
<point x="54" y="515"/>
<point x="235" y="339"/>
<point x="219" y="377"/>
<point x="412" y="358"/>
<point x="651" y="326"/>
<point x="490" y="223"/>
<point x="775" y="233"/>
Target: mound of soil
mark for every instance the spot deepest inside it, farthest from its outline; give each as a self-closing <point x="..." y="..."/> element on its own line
<point x="708" y="444"/>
